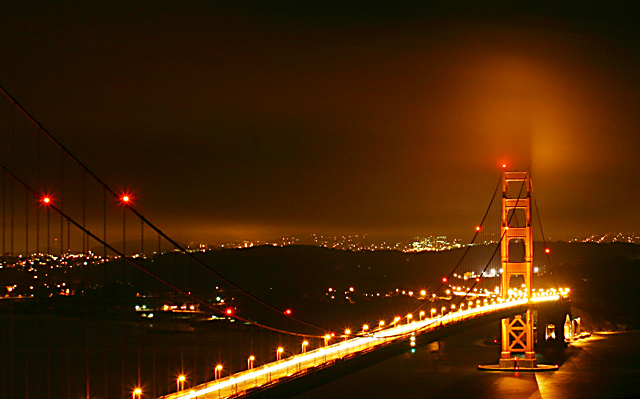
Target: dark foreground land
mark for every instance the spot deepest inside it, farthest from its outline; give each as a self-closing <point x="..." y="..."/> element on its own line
<point x="66" y="346"/>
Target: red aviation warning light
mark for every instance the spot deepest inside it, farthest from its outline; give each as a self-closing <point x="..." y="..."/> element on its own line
<point x="547" y="250"/>
<point x="126" y="199"/>
<point x="288" y="312"/>
<point x="444" y="279"/>
<point x="477" y="279"/>
<point x="228" y="312"/>
<point x="477" y="228"/>
<point x="46" y="200"/>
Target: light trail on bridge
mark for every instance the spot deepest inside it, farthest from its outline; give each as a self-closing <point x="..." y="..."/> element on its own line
<point x="274" y="372"/>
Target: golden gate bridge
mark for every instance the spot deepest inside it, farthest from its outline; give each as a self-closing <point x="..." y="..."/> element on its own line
<point x="58" y="214"/>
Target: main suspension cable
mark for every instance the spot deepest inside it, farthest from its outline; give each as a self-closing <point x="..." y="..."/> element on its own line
<point x="145" y="220"/>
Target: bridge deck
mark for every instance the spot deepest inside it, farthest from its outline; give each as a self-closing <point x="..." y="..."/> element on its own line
<point x="292" y="367"/>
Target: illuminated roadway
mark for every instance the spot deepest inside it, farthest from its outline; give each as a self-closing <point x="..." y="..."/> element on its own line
<point x="272" y="373"/>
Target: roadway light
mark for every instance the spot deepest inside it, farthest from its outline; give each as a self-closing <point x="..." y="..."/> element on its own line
<point x="304" y="346"/>
<point x="421" y="314"/>
<point x="137" y="393"/>
<point x="381" y="323"/>
<point x="180" y="382"/>
<point x="279" y="353"/>
<point x="326" y="339"/>
<point x="250" y="361"/>
<point x="365" y="327"/>
<point x="217" y="372"/>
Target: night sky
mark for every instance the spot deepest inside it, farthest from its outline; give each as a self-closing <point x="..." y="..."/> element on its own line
<point x="243" y="120"/>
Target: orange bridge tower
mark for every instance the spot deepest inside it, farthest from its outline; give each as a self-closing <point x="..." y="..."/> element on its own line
<point x="516" y="250"/>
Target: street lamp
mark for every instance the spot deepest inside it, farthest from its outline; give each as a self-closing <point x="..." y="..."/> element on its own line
<point x="279" y="353"/>
<point x="137" y="393"/>
<point x="409" y="317"/>
<point x="304" y="346"/>
<point x="347" y="332"/>
<point x="250" y="361"/>
<point x="217" y="372"/>
<point x="326" y="339"/>
<point x="365" y="328"/>
<point x="421" y="314"/>
<point x="381" y="324"/>
<point x="180" y="382"/>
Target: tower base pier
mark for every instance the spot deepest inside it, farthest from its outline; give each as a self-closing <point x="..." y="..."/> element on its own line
<point x="518" y="366"/>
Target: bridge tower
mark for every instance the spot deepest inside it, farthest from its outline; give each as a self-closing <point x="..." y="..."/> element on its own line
<point x="516" y="250"/>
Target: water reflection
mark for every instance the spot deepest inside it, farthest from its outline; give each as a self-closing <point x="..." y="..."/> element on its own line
<point x="604" y="366"/>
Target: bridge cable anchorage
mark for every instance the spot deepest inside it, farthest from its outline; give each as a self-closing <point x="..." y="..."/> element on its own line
<point x="41" y="128"/>
<point x="69" y="219"/>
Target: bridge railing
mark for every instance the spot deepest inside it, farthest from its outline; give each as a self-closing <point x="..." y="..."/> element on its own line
<point x="274" y="372"/>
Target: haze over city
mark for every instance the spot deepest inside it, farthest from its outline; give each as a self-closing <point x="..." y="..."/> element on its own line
<point x="236" y="120"/>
